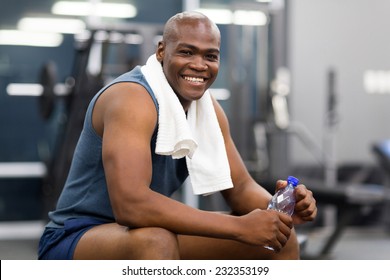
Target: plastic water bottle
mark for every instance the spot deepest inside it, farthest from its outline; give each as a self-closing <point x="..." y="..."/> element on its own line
<point x="284" y="199"/>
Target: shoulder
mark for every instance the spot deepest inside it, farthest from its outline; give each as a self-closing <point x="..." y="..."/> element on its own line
<point x="124" y="102"/>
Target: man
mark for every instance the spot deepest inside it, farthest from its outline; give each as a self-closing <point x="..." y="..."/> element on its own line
<point x="116" y="204"/>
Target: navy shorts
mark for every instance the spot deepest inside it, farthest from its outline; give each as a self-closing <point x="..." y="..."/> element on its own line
<point x="60" y="243"/>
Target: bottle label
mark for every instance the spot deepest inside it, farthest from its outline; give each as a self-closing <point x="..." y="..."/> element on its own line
<point x="280" y="198"/>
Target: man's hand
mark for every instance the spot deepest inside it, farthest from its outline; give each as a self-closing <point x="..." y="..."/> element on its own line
<point x="266" y="228"/>
<point x="305" y="204"/>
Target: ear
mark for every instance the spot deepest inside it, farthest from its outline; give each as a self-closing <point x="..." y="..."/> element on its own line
<point x="160" y="51"/>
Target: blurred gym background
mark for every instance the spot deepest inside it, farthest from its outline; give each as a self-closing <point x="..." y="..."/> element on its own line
<point x="305" y="84"/>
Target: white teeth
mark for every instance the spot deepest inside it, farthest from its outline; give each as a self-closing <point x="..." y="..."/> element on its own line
<point x="194" y="79"/>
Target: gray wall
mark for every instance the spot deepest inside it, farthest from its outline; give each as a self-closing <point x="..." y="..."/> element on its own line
<point x="351" y="36"/>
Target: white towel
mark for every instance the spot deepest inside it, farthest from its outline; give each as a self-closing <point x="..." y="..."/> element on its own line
<point x="197" y="137"/>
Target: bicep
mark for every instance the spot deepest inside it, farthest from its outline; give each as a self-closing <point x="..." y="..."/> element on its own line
<point x="129" y="120"/>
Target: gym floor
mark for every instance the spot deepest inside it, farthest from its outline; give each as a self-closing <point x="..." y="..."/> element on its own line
<point x="18" y="241"/>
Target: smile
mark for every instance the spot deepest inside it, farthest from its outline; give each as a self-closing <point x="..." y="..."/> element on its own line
<point x="194" y="79"/>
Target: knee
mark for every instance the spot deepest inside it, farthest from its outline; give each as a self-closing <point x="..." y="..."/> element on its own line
<point x="157" y="243"/>
<point x="291" y="251"/>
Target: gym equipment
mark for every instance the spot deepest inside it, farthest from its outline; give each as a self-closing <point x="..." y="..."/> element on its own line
<point x="346" y="198"/>
<point x="381" y="150"/>
<point x="51" y="90"/>
<point x="48" y="79"/>
<point x="350" y="201"/>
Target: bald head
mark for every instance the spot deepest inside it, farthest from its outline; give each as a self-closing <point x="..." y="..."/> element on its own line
<point x="180" y="19"/>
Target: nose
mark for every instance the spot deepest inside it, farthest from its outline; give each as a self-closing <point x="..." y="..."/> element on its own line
<point x="198" y="63"/>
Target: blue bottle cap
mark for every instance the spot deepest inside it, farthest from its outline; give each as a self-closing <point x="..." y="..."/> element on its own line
<point x="292" y="180"/>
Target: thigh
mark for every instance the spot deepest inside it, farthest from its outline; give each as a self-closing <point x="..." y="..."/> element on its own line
<point x="196" y="247"/>
<point x="113" y="241"/>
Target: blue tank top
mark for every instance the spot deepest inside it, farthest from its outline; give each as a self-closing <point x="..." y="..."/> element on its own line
<point x="85" y="192"/>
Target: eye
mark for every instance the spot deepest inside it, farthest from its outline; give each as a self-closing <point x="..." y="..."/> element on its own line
<point x="185" y="52"/>
<point x="212" y="57"/>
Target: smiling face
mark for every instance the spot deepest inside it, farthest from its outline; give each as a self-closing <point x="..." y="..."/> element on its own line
<point x="189" y="54"/>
